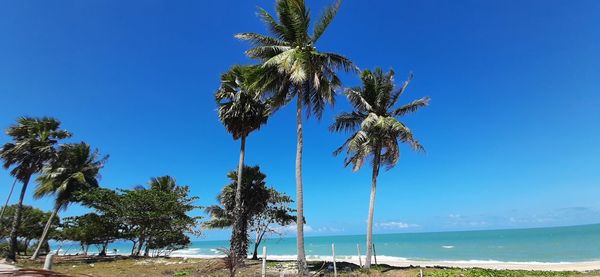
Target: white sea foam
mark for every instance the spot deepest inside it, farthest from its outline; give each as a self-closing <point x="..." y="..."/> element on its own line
<point x="448" y="246"/>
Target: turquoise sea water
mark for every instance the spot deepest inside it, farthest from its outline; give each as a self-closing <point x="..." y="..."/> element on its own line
<point x="555" y="244"/>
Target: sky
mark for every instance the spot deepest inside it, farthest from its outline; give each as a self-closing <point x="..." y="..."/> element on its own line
<point x="511" y="134"/>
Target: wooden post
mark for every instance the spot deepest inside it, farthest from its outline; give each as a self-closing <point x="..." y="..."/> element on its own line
<point x="359" y="258"/>
<point x="334" y="265"/>
<point x="48" y="262"/>
<point x="264" y="262"/>
<point x="374" y="254"/>
<point x="420" y="272"/>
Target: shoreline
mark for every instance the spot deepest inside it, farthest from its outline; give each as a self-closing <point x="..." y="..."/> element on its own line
<point x="580" y="266"/>
<point x="537" y="266"/>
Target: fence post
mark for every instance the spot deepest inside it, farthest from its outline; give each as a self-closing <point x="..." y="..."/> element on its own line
<point x="334" y="265"/>
<point x="264" y="262"/>
<point x="48" y="262"/>
<point x="374" y="254"/>
<point x="359" y="258"/>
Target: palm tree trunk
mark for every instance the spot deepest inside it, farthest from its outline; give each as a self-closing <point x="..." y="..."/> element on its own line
<point x="12" y="250"/>
<point x="302" y="270"/>
<point x="376" y="161"/>
<point x="45" y="233"/>
<point x="238" y="234"/>
<point x="8" y="198"/>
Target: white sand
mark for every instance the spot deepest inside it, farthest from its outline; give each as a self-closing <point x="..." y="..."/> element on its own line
<point x="562" y="266"/>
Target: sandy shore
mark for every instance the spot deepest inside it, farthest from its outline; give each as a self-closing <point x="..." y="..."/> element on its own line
<point x="562" y="266"/>
<point x="399" y="262"/>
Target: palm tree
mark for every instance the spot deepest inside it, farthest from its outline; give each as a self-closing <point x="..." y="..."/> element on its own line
<point x="75" y="169"/>
<point x="32" y="147"/>
<point x="377" y="131"/>
<point x="293" y="67"/>
<point x="163" y="183"/>
<point x="255" y="198"/>
<point x="241" y="111"/>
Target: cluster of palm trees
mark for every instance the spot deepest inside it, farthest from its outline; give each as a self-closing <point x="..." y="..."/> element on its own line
<point x="289" y="67"/>
<point x="63" y="169"/>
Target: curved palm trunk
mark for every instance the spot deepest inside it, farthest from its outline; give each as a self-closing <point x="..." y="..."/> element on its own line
<point x="302" y="270"/>
<point x="238" y="234"/>
<point x="12" y="250"/>
<point x="45" y="233"/>
<point x="376" y="161"/>
<point x="8" y="198"/>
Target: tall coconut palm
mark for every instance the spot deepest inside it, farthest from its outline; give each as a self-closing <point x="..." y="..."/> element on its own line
<point x="76" y="169"/>
<point x="377" y="130"/>
<point x="293" y="67"/>
<point x="241" y="110"/>
<point x="32" y="147"/>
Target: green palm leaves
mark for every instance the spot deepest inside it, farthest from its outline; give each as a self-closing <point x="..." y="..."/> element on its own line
<point x="240" y="108"/>
<point x="76" y="168"/>
<point x="376" y="130"/>
<point x="163" y="183"/>
<point x="32" y="146"/>
<point x="290" y="62"/>
<point x="374" y="121"/>
<point x="254" y="192"/>
<point x="291" y="66"/>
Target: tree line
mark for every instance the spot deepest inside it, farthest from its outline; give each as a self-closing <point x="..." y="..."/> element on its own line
<point x="289" y="69"/>
<point x="155" y="218"/>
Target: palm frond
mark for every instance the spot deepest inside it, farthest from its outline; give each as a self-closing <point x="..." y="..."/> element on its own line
<point x="412" y="106"/>
<point x="324" y="20"/>
<point x="347" y="121"/>
<point x="378" y="131"/>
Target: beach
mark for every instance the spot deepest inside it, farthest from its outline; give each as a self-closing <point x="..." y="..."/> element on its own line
<point x="563" y="266"/>
<point x="571" y="248"/>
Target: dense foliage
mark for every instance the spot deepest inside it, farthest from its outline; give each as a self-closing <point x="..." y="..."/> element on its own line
<point x="90" y="229"/>
<point x="76" y="168"/>
<point x="155" y="219"/>
<point x="32" y="147"/>
<point x="31" y="227"/>
<point x="254" y="200"/>
<point x="263" y="207"/>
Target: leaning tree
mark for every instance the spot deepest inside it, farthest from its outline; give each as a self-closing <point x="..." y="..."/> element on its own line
<point x="32" y="147"/>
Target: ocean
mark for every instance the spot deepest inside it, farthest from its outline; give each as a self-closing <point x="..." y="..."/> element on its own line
<point x="553" y="244"/>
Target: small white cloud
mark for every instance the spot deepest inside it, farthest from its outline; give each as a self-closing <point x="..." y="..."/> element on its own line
<point x="394" y="225"/>
<point x="291" y="229"/>
<point x="328" y="230"/>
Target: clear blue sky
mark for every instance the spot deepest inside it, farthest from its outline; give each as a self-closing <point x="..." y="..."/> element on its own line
<point x="512" y="133"/>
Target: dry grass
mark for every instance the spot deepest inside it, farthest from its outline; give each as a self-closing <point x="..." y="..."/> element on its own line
<point x="124" y="266"/>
